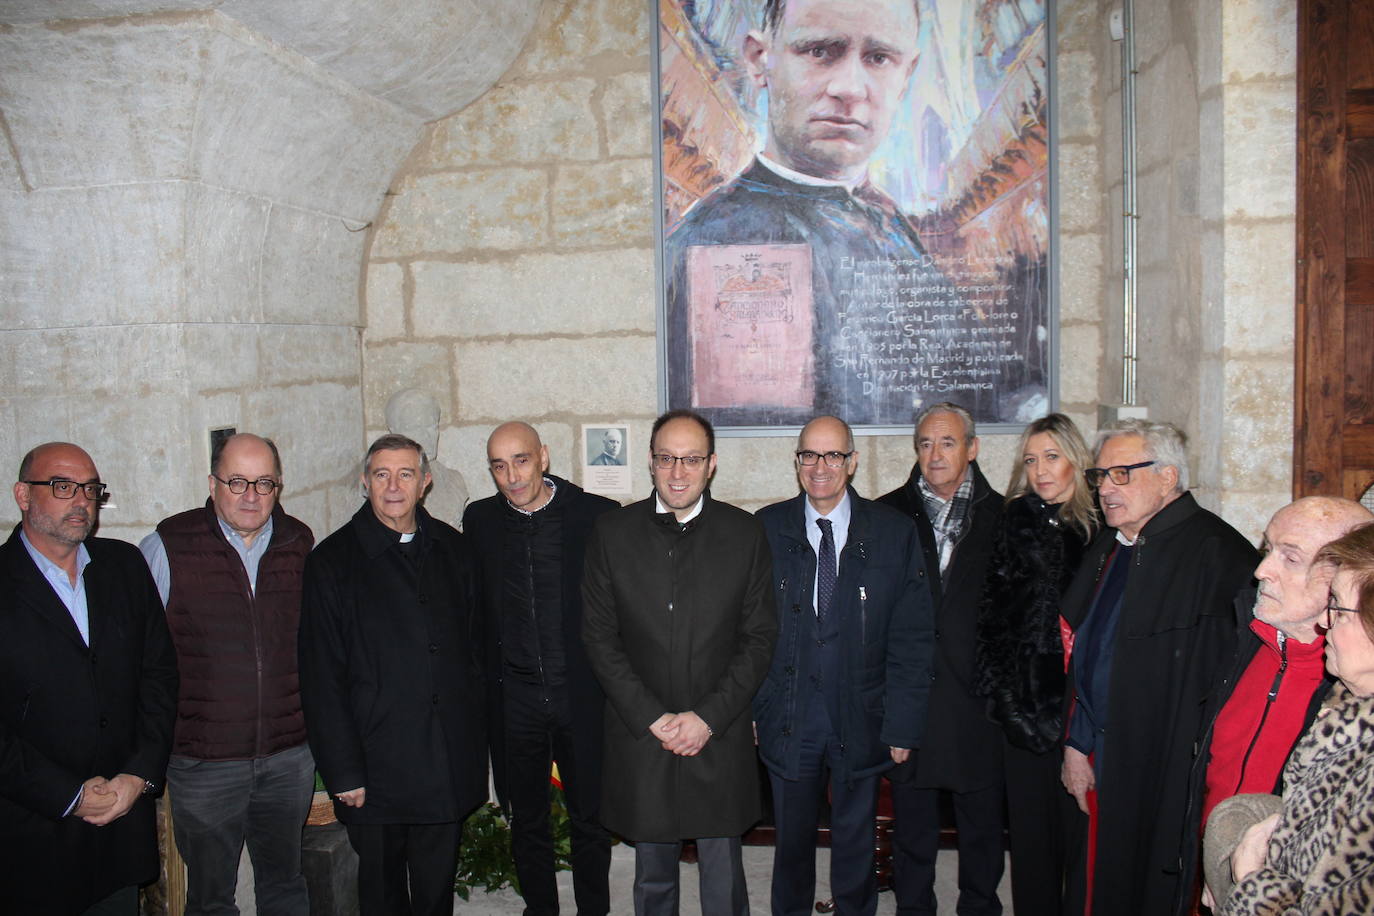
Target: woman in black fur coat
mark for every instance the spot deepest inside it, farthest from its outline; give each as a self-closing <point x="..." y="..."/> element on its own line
<point x="1048" y="520"/>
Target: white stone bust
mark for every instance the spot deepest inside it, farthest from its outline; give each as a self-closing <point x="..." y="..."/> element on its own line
<point x="413" y="412"/>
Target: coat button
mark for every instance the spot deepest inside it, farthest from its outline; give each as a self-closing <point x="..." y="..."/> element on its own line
<point x="423" y="598"/>
<point x="820" y="643"/>
<point x="786" y="732"/>
<point x="433" y="648"/>
<point x="434" y="698"/>
<point x="789" y="670"/>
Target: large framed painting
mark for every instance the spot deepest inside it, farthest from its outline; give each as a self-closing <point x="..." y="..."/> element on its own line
<point x="855" y="210"/>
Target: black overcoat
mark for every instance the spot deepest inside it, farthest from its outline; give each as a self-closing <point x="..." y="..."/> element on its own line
<point x="1173" y="639"/>
<point x="69" y="712"/>
<point x="482" y="525"/>
<point x="679" y="618"/>
<point x="1020" y="660"/>
<point x="962" y="749"/>
<point x="886" y="627"/>
<point x="391" y="674"/>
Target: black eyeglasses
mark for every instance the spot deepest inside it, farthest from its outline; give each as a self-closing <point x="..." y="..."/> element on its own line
<point x="807" y="458"/>
<point x="1331" y="605"/>
<point x="95" y="491"/>
<point x="690" y="462"/>
<point x="239" y="485"/>
<point x="1120" y="474"/>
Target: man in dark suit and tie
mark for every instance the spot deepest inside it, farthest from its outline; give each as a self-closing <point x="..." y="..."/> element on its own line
<point x="88" y="689"/>
<point x="845" y="697"/>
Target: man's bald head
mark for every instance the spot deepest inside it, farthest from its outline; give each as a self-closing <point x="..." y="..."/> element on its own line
<point x="517" y="460"/>
<point x="53" y="525"/>
<point x="1292" y="590"/>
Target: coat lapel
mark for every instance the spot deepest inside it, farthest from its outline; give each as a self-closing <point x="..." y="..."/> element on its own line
<point x="31" y="592"/>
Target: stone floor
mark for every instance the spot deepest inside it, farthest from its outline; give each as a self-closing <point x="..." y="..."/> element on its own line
<point x="758" y="862"/>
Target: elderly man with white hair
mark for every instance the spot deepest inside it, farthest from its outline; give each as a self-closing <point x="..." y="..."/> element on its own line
<point x="1153" y="625"/>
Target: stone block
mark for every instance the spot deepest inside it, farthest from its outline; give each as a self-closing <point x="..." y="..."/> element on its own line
<point x="104" y="103"/>
<point x="394" y="366"/>
<point x="92" y="256"/>
<point x="1079" y="76"/>
<point x="222" y="253"/>
<point x="310" y="269"/>
<point x="1261" y="151"/>
<point x="889" y="460"/>
<point x="430" y="57"/>
<point x="627" y="111"/>
<point x="539" y="122"/>
<point x="1082" y="281"/>
<point x="755" y="469"/>
<point x="1167" y="105"/>
<point x="572" y="32"/>
<point x="10" y="179"/>
<point x="1260" y="39"/>
<point x="345" y="495"/>
<point x="532" y="378"/>
<point x="467" y="211"/>
<point x="546" y="293"/>
<point x="330" y="867"/>
<point x="220" y="356"/>
<point x="1081" y="24"/>
<point x="318" y="143"/>
<point x="291" y="354"/>
<point x="1259" y="289"/>
<point x="996" y="455"/>
<point x="1080" y="191"/>
<point x="138" y="454"/>
<point x="1080" y="355"/>
<point x="17" y="11"/>
<point x="610" y="203"/>
<point x="1249" y="511"/>
<point x="384" y="307"/>
<point x="1257" y="449"/>
<point x="317" y="428"/>
<point x="310" y="506"/>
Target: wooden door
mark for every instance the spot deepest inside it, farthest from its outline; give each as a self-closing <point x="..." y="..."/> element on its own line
<point x="1334" y="416"/>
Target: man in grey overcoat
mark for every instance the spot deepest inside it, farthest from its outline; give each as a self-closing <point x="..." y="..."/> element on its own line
<point x="679" y="626"/>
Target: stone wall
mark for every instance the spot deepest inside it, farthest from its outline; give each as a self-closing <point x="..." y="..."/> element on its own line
<point x="513" y="271"/>
<point x="183" y="194"/>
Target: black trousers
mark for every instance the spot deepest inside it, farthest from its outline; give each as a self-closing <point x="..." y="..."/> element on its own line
<point x="1042" y="826"/>
<point x="406" y="869"/>
<point x="916" y="842"/>
<point x="538" y="725"/>
<point x="796" y="809"/>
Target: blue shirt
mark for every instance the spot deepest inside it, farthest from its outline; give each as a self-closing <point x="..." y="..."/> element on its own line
<point x="73" y="597"/>
<point x="839" y="530"/>
<point x="155" y="553"/>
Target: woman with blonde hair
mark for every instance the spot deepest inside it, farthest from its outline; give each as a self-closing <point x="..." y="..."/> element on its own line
<point x="1050" y="517"/>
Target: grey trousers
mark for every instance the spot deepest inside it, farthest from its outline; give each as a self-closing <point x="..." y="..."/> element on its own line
<point x="721" y="876"/>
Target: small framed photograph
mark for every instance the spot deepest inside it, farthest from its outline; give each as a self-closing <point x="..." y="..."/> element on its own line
<point x="605" y="464"/>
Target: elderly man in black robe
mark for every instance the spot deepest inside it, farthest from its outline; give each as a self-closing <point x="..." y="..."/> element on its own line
<point x="1153" y="626"/>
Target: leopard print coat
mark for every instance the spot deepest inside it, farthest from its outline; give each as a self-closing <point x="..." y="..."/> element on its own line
<point x="1321" y="856"/>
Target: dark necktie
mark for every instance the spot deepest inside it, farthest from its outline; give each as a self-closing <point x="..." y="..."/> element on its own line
<point x="825" y="570"/>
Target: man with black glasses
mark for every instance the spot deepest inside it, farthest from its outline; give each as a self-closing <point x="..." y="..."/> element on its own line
<point x="678" y="623"/>
<point x="230" y="575"/>
<point x="1153" y="627"/>
<point x="88" y="688"/>
<point x="845" y="699"/>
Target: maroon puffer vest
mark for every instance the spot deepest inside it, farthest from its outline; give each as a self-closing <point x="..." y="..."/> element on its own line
<point x="240" y="695"/>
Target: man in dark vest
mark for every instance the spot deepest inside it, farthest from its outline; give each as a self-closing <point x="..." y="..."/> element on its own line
<point x="956" y="514"/>
<point x="241" y="771"/>
<point x="544" y="704"/>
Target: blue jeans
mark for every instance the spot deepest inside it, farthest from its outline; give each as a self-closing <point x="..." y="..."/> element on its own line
<point x="218" y="805"/>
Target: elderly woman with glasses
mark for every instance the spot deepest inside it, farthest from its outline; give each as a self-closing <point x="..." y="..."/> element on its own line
<point x="1316" y="856"/>
<point x="1048" y="521"/>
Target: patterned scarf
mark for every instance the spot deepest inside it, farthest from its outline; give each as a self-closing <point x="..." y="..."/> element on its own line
<point x="947" y="518"/>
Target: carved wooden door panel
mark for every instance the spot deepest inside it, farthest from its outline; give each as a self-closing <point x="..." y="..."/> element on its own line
<point x="1334" y="385"/>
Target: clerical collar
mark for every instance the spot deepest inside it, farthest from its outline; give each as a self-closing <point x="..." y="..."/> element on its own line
<point x="799" y="178"/>
<point x="552" y="490"/>
<point x="1123" y="540"/>
<point x="696" y="510"/>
